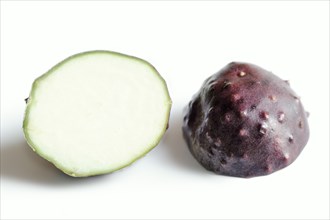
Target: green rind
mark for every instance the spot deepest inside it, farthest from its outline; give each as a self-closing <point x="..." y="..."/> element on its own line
<point x="38" y="150"/>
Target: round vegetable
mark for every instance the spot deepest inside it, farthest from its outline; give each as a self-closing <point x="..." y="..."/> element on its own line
<point x="245" y="122"/>
<point x="96" y="112"/>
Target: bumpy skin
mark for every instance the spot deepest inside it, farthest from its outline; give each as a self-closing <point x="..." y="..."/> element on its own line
<point x="245" y="122"/>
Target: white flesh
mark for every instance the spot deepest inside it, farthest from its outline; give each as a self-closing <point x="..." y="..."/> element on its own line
<point x="97" y="112"/>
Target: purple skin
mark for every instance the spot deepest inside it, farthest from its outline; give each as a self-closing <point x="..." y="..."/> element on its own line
<point x="245" y="122"/>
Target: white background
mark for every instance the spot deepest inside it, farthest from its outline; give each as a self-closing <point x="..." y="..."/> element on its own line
<point x="186" y="42"/>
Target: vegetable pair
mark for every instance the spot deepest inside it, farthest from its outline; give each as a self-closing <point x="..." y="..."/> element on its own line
<point x="99" y="111"/>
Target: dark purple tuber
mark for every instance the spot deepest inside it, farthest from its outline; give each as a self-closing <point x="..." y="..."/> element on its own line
<point x="245" y="122"/>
